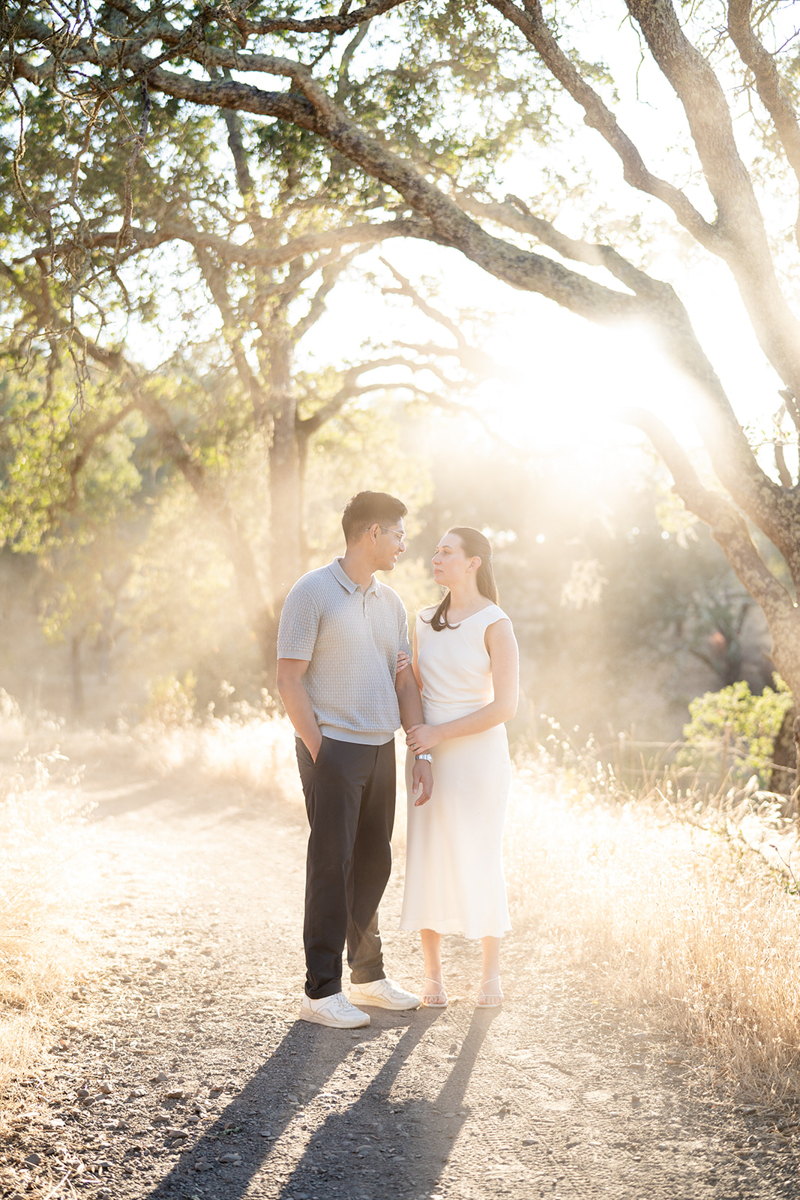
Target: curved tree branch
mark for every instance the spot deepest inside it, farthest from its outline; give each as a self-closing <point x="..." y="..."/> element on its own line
<point x="768" y="84"/>
<point x="728" y="526"/>
<point x="744" y="243"/>
<point x="530" y="21"/>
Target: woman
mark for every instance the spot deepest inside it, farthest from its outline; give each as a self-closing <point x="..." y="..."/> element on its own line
<point x="466" y="664"/>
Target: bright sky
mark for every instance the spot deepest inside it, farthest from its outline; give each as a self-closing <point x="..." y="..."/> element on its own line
<point x="571" y="377"/>
<point x="567" y="377"/>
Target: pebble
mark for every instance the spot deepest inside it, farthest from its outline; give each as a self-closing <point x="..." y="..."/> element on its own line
<point x="529" y="1141"/>
<point x="106" y="1088"/>
<point x="229" y="1158"/>
<point x="33" y="1159"/>
<point x="203" y="1165"/>
<point x="161" y="1077"/>
<point x="175" y="1094"/>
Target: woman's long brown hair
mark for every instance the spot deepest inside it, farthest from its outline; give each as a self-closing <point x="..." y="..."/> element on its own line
<point x="475" y="545"/>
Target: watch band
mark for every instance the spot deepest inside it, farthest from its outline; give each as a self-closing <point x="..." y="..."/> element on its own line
<point x="424" y="758"/>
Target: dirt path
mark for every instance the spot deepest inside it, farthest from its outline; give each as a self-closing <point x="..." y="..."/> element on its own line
<point x="181" y="1070"/>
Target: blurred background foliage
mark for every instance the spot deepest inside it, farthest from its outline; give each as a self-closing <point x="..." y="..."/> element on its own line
<point x="113" y="581"/>
<point x="153" y="387"/>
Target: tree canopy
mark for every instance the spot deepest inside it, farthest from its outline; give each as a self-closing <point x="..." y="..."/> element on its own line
<point x="400" y="119"/>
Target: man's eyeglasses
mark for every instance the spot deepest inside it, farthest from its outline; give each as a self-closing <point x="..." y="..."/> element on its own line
<point x="398" y="537"/>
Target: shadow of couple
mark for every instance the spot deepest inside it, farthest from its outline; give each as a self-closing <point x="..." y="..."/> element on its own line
<point x="377" y="1144"/>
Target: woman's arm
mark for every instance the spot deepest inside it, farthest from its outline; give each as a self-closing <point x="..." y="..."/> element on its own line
<point x="415" y="662"/>
<point x="504" y="655"/>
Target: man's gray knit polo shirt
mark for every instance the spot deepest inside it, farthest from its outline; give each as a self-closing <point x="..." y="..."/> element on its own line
<point x="350" y="638"/>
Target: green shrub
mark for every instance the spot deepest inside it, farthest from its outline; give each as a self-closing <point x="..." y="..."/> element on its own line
<point x="733" y="730"/>
<point x="171" y="701"/>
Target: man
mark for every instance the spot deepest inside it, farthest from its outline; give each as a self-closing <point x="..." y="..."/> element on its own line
<point x="339" y="636"/>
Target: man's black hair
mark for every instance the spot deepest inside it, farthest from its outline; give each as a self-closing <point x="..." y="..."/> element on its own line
<point x="370" y="508"/>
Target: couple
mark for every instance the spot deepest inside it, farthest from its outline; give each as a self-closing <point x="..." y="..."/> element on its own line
<point x="347" y="682"/>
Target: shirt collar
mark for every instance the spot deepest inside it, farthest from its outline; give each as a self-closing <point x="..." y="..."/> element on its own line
<point x="344" y="579"/>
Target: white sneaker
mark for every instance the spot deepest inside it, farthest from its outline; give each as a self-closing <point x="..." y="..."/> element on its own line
<point x="383" y="993"/>
<point x="336" y="1011"/>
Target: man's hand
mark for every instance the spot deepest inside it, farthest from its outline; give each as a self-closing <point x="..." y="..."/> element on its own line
<point x="422" y="782"/>
<point x="297" y="704"/>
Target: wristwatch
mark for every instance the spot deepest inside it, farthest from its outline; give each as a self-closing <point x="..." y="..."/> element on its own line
<point x="424" y="758"/>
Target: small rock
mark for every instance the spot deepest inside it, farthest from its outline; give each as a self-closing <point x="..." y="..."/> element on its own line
<point x="173" y="1134"/>
<point x="266" y="1134"/>
<point x="160" y="1078"/>
<point x="231" y="1157"/>
<point x="529" y="1141"/>
<point x="635" y="1100"/>
<point x="175" y="1094"/>
<point x="106" y="1088"/>
<point x="216" y="1089"/>
<point x="203" y="1165"/>
<point x="82" y="1093"/>
<point x="33" y="1160"/>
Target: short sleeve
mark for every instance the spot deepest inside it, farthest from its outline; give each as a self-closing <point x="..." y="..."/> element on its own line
<point x="299" y="624"/>
<point x="403" y="632"/>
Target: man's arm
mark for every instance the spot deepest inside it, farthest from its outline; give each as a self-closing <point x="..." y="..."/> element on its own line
<point x="410" y="703"/>
<point x="297" y="703"/>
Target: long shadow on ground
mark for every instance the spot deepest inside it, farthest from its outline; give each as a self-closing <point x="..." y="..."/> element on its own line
<point x="376" y="1146"/>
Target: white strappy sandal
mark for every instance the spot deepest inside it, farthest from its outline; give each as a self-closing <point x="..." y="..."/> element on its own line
<point x="489" y="1001"/>
<point x="437" y="999"/>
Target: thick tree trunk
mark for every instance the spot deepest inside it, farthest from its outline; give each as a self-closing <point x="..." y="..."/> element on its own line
<point x="259" y="613"/>
<point x="784" y="757"/>
<point x="284" y="476"/>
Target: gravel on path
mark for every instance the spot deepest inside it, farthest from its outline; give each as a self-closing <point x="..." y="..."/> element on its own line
<point x="182" y="1069"/>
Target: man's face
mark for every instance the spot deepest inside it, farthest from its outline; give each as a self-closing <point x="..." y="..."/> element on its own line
<point x="390" y="543"/>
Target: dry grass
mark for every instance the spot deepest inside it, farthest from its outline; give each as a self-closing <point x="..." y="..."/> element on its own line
<point x="666" y="913"/>
<point x="255" y="752"/>
<point x="665" y="905"/>
<point x="39" y="958"/>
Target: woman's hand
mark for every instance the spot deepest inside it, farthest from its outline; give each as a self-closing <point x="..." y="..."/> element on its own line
<point x="403" y="661"/>
<point x="421" y="738"/>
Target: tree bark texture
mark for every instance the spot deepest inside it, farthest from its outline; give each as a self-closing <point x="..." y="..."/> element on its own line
<point x="233" y="81"/>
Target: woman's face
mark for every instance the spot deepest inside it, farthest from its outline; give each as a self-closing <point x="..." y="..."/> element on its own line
<point x="450" y="563"/>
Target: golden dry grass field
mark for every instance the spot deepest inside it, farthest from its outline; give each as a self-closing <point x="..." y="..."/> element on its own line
<point x="637" y="917"/>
